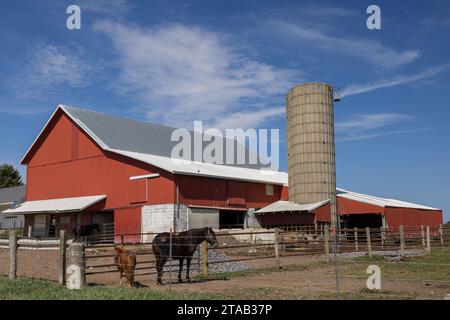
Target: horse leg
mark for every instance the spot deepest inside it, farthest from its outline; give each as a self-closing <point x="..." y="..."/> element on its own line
<point x="180" y="270"/>
<point x="130" y="277"/>
<point x="188" y="265"/>
<point x="159" y="268"/>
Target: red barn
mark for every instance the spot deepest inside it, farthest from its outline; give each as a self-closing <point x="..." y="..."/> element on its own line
<point x="88" y="167"/>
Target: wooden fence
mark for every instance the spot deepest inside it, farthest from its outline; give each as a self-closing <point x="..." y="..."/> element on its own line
<point x="275" y="247"/>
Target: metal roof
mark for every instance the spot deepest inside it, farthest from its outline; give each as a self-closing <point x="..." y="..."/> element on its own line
<point x="9" y="195"/>
<point x="378" y="201"/>
<point x="113" y="132"/>
<point x="289" y="206"/>
<point x="55" y="205"/>
<point x="177" y="166"/>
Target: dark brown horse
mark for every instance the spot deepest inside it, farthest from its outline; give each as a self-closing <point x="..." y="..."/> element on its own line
<point x="86" y="230"/>
<point x="184" y="245"/>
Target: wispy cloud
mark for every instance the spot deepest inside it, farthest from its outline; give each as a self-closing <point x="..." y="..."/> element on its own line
<point x="108" y="8"/>
<point x="398" y="80"/>
<point x="250" y="118"/>
<point x="48" y="69"/>
<point x="371" y="121"/>
<point x="363" y="136"/>
<point x="360" y="127"/>
<point x="371" y="51"/>
<point x="181" y="73"/>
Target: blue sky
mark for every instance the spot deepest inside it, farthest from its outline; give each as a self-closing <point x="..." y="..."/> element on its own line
<point x="230" y="64"/>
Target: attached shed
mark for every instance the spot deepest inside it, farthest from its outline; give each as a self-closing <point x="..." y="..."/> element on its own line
<point x="9" y="197"/>
<point x="361" y="210"/>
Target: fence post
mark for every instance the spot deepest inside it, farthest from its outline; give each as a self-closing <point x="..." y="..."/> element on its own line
<point x="369" y="242"/>
<point x="422" y="231"/>
<point x="428" y="239"/>
<point x="356" y="239"/>
<point x="76" y="271"/>
<point x="170" y="259"/>
<point x="327" y="242"/>
<point x="30" y="231"/>
<point x="383" y="237"/>
<point x="12" y="254"/>
<point x="402" y="241"/>
<point x="204" y="247"/>
<point x="277" y="248"/>
<point x="62" y="257"/>
<point x="441" y="232"/>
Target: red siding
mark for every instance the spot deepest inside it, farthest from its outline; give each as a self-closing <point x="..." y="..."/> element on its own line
<point x="284" y="193"/>
<point x="323" y="214"/>
<point x="412" y="217"/>
<point x="52" y="174"/>
<point x="346" y="206"/>
<point x="128" y="223"/>
<point x="210" y="192"/>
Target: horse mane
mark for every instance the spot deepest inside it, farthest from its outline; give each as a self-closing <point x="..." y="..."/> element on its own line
<point x="194" y="232"/>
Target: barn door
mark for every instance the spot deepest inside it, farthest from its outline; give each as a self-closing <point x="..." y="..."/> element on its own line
<point x="40" y="225"/>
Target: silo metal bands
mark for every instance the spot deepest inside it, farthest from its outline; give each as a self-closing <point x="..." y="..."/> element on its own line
<point x="310" y="138"/>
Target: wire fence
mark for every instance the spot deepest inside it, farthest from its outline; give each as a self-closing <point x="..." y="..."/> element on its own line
<point x="236" y="250"/>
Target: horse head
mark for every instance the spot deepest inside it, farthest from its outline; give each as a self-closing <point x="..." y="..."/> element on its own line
<point x="211" y="238"/>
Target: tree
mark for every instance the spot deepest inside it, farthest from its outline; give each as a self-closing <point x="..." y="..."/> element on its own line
<point x="9" y="176"/>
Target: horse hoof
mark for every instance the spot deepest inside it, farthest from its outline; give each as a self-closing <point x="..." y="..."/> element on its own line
<point x="159" y="283"/>
<point x="180" y="281"/>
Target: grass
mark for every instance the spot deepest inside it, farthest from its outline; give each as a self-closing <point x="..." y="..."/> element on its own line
<point x="434" y="266"/>
<point x="33" y="289"/>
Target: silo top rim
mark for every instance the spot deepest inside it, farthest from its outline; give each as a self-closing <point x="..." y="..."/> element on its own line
<point x="310" y="84"/>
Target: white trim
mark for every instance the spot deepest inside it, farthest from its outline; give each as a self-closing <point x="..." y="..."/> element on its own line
<point x="145" y="176"/>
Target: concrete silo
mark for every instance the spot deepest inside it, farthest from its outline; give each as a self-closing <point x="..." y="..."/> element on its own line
<point x="311" y="150"/>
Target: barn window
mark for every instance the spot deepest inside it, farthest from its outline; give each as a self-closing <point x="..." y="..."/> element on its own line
<point x="269" y="189"/>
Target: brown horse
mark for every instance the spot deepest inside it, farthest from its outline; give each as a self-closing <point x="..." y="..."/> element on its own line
<point x="184" y="245"/>
<point x="126" y="262"/>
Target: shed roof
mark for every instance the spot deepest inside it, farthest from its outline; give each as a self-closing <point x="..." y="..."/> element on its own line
<point x="378" y="201"/>
<point x="9" y="195"/>
<point x="55" y="205"/>
<point x="289" y="206"/>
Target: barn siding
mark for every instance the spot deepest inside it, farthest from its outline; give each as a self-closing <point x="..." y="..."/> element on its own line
<point x="323" y="214"/>
<point x="412" y="217"/>
<point x="214" y="193"/>
<point x="347" y="206"/>
<point x="127" y="222"/>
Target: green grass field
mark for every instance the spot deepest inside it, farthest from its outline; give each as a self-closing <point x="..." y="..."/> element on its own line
<point x="33" y="289"/>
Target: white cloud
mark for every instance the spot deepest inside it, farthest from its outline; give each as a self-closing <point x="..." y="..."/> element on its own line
<point x="363" y="136"/>
<point x="106" y="7"/>
<point x="46" y="70"/>
<point x="371" y="121"/>
<point x="360" y="127"/>
<point x="250" y="118"/>
<point x="371" y="51"/>
<point x="181" y="73"/>
<point x="398" y="80"/>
